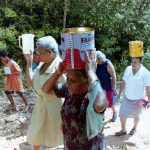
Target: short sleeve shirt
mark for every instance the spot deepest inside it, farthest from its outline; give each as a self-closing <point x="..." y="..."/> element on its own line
<point x="136" y="83"/>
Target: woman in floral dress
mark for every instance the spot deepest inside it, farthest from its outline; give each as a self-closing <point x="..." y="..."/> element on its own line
<point x="73" y="111"/>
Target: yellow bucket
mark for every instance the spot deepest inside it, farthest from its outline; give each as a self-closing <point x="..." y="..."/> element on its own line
<point x="136" y="48"/>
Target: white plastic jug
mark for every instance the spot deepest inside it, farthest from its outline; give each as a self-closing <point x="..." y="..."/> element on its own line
<point x="27" y="43"/>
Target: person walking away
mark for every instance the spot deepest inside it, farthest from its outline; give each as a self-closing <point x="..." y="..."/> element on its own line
<point x="106" y="74"/>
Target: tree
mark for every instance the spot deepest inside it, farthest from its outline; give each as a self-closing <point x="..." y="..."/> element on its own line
<point x="115" y="23"/>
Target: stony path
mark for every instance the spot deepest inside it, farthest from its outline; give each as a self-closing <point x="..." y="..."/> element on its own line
<point x="13" y="128"/>
<point x="139" y="141"/>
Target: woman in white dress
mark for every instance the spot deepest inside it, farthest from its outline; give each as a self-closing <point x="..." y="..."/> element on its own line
<point x="45" y="125"/>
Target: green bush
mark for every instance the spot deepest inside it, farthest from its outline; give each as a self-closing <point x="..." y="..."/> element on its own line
<point x="2" y="80"/>
<point x="115" y="22"/>
<point x="146" y="60"/>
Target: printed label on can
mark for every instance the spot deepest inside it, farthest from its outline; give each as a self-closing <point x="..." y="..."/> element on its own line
<point x="74" y="47"/>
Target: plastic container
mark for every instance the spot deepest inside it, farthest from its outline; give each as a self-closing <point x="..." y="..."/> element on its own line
<point x="114" y="98"/>
<point x="74" y="43"/>
<point x="26" y="43"/>
<point x="136" y="48"/>
<point x="143" y="103"/>
<point x="7" y="70"/>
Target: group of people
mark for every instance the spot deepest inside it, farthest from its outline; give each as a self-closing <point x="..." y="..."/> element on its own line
<point x="62" y="96"/>
<point x="135" y="87"/>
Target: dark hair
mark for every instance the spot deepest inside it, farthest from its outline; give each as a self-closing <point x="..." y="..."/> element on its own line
<point x="140" y="59"/>
<point x="81" y="73"/>
<point x="4" y="53"/>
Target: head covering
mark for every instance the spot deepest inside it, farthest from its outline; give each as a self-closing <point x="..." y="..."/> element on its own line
<point x="101" y="56"/>
<point x="48" y="43"/>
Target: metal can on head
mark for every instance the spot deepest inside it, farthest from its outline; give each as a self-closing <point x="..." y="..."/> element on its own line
<point x="74" y="43"/>
<point x="136" y="48"/>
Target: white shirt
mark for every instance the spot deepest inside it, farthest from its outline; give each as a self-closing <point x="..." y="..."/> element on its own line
<point x="135" y="83"/>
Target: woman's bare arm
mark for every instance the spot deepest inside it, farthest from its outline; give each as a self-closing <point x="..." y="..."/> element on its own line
<point x="50" y="83"/>
<point x="112" y="73"/>
<point x="100" y="102"/>
<point x="29" y="73"/>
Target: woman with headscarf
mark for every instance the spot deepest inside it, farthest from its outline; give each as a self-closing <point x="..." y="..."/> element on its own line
<point x="106" y="73"/>
<point x="45" y="125"/>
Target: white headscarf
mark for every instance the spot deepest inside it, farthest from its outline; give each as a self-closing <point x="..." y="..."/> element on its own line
<point x="101" y="56"/>
<point x="48" y="42"/>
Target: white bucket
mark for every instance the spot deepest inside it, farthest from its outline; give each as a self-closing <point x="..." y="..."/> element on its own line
<point x="7" y="70"/>
<point x="74" y="43"/>
<point x="27" y="43"/>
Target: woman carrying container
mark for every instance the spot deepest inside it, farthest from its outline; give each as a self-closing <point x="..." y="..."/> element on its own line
<point x="45" y="125"/>
<point x="136" y="86"/>
<point x="74" y="110"/>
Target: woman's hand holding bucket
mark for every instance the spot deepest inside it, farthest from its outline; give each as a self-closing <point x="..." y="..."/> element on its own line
<point x="90" y="66"/>
<point x="28" y="57"/>
<point x="90" y="61"/>
<point x="61" y="69"/>
<point x="29" y="72"/>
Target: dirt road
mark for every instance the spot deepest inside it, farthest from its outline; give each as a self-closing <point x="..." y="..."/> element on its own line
<point x="13" y="128"/>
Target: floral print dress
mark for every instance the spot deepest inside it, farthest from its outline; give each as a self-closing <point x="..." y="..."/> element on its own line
<point x="74" y="122"/>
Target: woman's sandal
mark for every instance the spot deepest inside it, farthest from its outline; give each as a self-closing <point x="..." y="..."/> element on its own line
<point x="121" y="133"/>
<point x="132" y="132"/>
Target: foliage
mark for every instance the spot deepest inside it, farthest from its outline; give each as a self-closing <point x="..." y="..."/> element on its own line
<point x="146" y="60"/>
<point x="2" y="80"/>
<point x="115" y="23"/>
